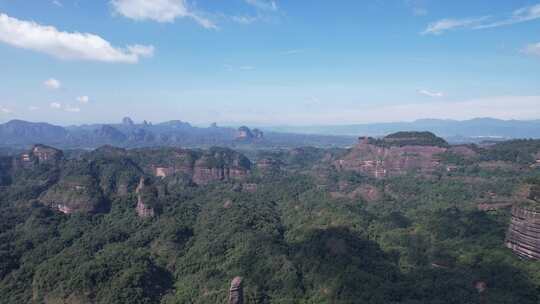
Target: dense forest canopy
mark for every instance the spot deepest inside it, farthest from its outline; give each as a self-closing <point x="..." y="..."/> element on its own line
<point x="295" y="227"/>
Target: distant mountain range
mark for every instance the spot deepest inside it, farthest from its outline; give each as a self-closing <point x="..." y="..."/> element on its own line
<point x="19" y="133"/>
<point x="473" y="130"/>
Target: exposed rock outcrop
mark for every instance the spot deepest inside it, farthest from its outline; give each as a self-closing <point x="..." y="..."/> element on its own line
<point x="236" y="292"/>
<point x="74" y="194"/>
<point x="268" y="165"/>
<point x="145" y="197"/>
<point x="245" y="133"/>
<point x="523" y="235"/>
<point x="40" y="154"/>
<point x="391" y="158"/>
<point x="216" y="164"/>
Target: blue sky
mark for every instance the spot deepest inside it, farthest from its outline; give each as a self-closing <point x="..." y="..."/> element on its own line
<point x="268" y="62"/>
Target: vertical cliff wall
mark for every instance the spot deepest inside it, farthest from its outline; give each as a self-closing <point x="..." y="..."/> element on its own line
<point x="523" y="235"/>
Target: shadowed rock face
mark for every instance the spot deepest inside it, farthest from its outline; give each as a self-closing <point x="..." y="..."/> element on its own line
<point x="143" y="209"/>
<point x="74" y="194"/>
<point x="523" y="235"/>
<point x="380" y="161"/>
<point x="39" y="154"/>
<point x="216" y="164"/>
<point x="236" y="292"/>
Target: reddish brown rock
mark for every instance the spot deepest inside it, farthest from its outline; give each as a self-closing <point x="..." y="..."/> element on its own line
<point x="382" y="161"/>
<point x="143" y="209"/>
<point x="523" y="235"/>
<point x="39" y="154"/>
<point x="216" y="164"/>
<point x="480" y="286"/>
<point x="250" y="187"/>
<point x="236" y="292"/>
<point x="463" y="151"/>
<point x="492" y="206"/>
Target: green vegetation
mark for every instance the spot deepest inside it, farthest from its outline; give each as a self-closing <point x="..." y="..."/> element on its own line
<point x="401" y="139"/>
<point x="306" y="235"/>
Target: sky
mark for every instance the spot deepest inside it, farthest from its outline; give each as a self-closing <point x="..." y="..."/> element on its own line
<point x="268" y="62"/>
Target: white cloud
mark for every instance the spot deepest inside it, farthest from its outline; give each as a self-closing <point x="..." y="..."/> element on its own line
<point x="55" y="105"/>
<point x="268" y="5"/>
<point x="532" y="49"/>
<point x="33" y="108"/>
<point x="52" y="84"/>
<point x="247" y="68"/>
<point x="520" y="15"/>
<point x="523" y="14"/>
<point x="159" y="10"/>
<point x="232" y="68"/>
<point x="244" y="19"/>
<point x="443" y="25"/>
<point x="293" y="52"/>
<point x="83" y="99"/>
<point x="57" y="3"/>
<point x="65" y="45"/>
<point x="72" y="109"/>
<point x="4" y="110"/>
<point x="430" y="93"/>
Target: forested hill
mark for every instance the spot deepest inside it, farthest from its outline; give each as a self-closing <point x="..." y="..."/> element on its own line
<point x="411" y="221"/>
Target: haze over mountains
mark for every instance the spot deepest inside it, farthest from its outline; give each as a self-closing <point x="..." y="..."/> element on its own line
<point x="178" y="133"/>
<point x="465" y="130"/>
<point x="19" y="133"/>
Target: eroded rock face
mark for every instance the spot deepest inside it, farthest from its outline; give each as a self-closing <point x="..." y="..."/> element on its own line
<point x="74" y="194"/>
<point x="236" y="292"/>
<point x="266" y="165"/>
<point x="245" y="133"/>
<point x="39" y="154"/>
<point x="45" y="154"/>
<point x="143" y="209"/>
<point x="216" y="164"/>
<point x="381" y="161"/>
<point x="523" y="235"/>
<point x="220" y="165"/>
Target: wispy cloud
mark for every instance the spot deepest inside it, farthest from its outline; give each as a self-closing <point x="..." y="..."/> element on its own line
<point x="72" y="109"/>
<point x="247" y="68"/>
<point x="244" y="19"/>
<point x="33" y="108"/>
<point x="293" y="52"/>
<point x="57" y="3"/>
<point x="268" y="5"/>
<point x="52" y="84"/>
<point x="55" y="105"/>
<point x="430" y="93"/>
<point x="67" y="107"/>
<point x="83" y="99"/>
<point x="520" y="15"/>
<point x="532" y="49"/>
<point x="417" y="6"/>
<point x="64" y="45"/>
<point x="160" y="11"/>
<point x="523" y="14"/>
<point x="444" y="25"/>
<point x="232" y="68"/>
<point x="4" y="110"/>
